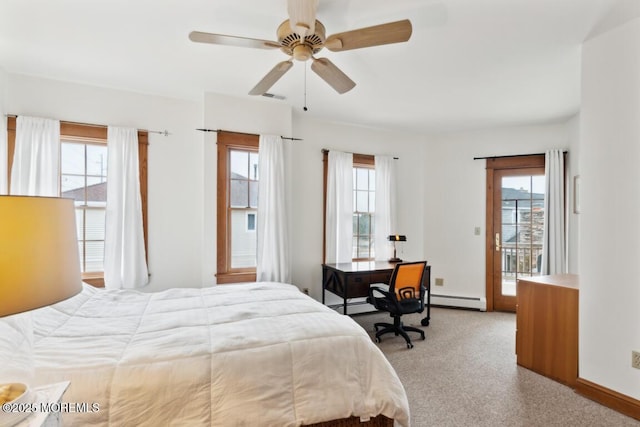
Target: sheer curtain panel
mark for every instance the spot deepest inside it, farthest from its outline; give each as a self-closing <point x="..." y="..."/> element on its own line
<point x="384" y="216"/>
<point x="553" y="245"/>
<point x="273" y="235"/>
<point x="339" y="214"/>
<point x="125" y="265"/>
<point x="36" y="160"/>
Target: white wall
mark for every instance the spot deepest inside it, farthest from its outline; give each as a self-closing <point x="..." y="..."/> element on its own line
<point x="455" y="199"/>
<point x="175" y="171"/>
<point x="610" y="203"/>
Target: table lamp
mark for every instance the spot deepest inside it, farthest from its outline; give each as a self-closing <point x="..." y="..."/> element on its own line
<point x="396" y="238"/>
<point x="39" y="266"/>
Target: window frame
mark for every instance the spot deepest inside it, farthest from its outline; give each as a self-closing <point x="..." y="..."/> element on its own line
<point x="96" y="134"/>
<point x="226" y="142"/>
<point x="359" y="161"/>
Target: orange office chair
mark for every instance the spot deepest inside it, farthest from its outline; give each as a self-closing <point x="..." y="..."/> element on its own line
<point x="405" y="295"/>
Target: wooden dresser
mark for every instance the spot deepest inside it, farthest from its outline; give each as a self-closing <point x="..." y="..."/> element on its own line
<point x="547" y="326"/>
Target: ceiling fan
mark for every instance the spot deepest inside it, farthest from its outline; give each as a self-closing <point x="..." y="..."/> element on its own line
<point x="302" y="36"/>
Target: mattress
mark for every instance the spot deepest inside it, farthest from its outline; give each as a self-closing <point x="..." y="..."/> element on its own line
<point x="241" y="355"/>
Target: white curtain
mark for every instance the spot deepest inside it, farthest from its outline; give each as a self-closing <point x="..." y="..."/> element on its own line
<point x="273" y="236"/>
<point x="125" y="265"/>
<point x="553" y="245"/>
<point x="36" y="160"/>
<point x="384" y="217"/>
<point x="4" y="159"/>
<point x="339" y="215"/>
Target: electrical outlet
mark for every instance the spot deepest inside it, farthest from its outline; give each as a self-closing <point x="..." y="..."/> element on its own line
<point x="439" y="281"/>
<point x="635" y="359"/>
<point x="305" y="291"/>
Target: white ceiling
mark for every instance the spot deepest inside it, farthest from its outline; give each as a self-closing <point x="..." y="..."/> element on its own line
<point x="468" y="64"/>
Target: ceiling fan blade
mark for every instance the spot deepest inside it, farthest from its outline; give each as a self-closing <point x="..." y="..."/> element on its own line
<point x="200" y="37"/>
<point x="271" y="77"/>
<point x="332" y="75"/>
<point x="302" y="16"/>
<point x="392" y="32"/>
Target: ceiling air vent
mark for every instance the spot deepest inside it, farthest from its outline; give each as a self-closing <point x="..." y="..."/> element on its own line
<point x="273" y="95"/>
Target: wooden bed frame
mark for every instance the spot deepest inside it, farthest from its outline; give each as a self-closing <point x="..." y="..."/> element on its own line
<point x="379" y="421"/>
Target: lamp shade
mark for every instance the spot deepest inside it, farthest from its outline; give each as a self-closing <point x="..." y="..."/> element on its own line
<point x="397" y="238"/>
<point x="39" y="261"/>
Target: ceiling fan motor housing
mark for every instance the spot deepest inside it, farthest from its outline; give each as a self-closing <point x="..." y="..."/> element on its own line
<point x="298" y="47"/>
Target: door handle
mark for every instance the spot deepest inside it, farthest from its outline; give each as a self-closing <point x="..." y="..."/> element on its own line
<point x="498" y="247"/>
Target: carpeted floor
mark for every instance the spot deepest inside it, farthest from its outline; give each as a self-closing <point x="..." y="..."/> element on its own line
<point x="465" y="374"/>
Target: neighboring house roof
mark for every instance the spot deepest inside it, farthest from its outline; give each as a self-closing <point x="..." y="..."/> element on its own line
<point x="533" y="203"/>
<point x="95" y="192"/>
<point x="521" y="194"/>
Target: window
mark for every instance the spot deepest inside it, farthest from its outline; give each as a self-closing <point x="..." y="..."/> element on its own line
<point x="83" y="175"/>
<point x="237" y="207"/>
<point x="364" y="183"/>
<point x="251" y="221"/>
<point x="83" y="178"/>
<point x="243" y="205"/>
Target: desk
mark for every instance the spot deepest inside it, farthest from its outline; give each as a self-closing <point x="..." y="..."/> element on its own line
<point x="352" y="280"/>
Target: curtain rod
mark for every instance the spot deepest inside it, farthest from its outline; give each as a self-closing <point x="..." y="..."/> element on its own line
<point x="326" y="150"/>
<point x="246" y="133"/>
<point x="161" y="132"/>
<point x="513" y="155"/>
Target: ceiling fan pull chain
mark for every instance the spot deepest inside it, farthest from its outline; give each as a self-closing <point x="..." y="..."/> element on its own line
<point x="305" y="88"/>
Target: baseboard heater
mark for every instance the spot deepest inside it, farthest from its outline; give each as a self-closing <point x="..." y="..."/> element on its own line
<point x="459" y="302"/>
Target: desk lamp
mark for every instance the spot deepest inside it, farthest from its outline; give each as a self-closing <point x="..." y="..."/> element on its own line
<point x="39" y="266"/>
<point x="396" y="238"/>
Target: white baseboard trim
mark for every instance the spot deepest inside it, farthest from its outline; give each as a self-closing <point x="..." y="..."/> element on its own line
<point x="459" y="302"/>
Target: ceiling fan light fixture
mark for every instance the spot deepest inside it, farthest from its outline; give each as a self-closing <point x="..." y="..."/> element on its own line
<point x="302" y="16"/>
<point x="302" y="52"/>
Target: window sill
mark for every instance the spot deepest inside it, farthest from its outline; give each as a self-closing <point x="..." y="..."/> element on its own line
<point x="94" y="279"/>
<point x="224" y="278"/>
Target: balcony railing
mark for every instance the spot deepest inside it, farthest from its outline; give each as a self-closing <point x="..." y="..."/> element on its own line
<point x="519" y="260"/>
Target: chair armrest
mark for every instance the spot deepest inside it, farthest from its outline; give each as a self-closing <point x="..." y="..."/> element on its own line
<point x="384" y="292"/>
<point x="389" y="298"/>
<point x="379" y="297"/>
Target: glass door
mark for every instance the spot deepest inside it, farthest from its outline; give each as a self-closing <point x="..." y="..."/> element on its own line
<point x="515" y="230"/>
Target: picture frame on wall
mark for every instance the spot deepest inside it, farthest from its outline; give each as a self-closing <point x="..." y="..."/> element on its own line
<point x="576" y="194"/>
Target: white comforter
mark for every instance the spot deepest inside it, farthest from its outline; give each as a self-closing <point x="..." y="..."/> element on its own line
<point x="260" y="354"/>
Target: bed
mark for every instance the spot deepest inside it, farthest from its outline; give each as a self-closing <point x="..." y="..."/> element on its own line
<point x="235" y="355"/>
